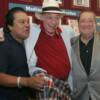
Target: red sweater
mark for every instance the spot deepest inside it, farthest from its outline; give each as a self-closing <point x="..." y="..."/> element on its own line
<point x="52" y="55"/>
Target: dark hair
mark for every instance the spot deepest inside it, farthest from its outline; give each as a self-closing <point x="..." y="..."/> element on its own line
<point x="9" y="18"/>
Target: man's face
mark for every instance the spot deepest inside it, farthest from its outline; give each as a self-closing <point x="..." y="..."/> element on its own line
<point x="20" y="27"/>
<point x="87" y="24"/>
<point x="51" y="21"/>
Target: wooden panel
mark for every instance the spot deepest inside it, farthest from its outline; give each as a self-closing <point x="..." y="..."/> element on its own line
<point x="3" y="11"/>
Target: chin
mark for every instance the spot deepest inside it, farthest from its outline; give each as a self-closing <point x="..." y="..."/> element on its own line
<point x="25" y="36"/>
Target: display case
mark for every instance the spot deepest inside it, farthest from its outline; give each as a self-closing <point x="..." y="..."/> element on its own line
<point x="74" y="24"/>
<point x="81" y="4"/>
<point x="98" y="23"/>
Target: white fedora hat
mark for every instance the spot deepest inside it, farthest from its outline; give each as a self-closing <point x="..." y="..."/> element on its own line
<point x="50" y="6"/>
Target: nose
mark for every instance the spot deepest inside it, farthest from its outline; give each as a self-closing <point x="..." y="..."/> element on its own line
<point x="27" y="24"/>
<point x="54" y="21"/>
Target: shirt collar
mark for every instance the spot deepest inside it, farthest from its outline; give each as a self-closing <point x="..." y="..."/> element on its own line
<point x="89" y="42"/>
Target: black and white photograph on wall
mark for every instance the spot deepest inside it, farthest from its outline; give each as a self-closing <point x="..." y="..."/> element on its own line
<point x="82" y="3"/>
<point x="74" y="24"/>
<point x="60" y="1"/>
<point x="98" y="23"/>
<point x="98" y="4"/>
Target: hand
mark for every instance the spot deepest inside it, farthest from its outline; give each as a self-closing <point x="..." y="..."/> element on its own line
<point x="36" y="82"/>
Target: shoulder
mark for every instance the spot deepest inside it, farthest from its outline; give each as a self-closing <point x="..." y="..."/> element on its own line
<point x="4" y="47"/>
<point x="97" y="38"/>
<point x="97" y="34"/>
<point x="74" y="40"/>
<point x="5" y="42"/>
<point x="34" y="26"/>
<point x="66" y="28"/>
<point x="8" y="41"/>
<point x="34" y="31"/>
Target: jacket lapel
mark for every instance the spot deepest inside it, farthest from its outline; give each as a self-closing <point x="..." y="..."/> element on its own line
<point x="77" y="53"/>
<point x="95" y="53"/>
<point x="31" y="40"/>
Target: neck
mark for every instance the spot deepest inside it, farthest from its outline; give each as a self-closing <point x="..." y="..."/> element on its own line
<point x="17" y="39"/>
<point x="49" y="33"/>
<point x="85" y="39"/>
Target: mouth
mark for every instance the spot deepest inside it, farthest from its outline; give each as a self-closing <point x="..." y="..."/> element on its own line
<point x="27" y="30"/>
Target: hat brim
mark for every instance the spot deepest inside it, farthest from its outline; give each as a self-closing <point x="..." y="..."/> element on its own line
<point x="39" y="15"/>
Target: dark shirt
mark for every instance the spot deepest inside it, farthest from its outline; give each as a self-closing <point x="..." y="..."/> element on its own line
<point x="13" y="62"/>
<point x="86" y="54"/>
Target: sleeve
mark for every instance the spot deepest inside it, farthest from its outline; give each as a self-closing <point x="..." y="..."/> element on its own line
<point x="29" y="47"/>
<point x="71" y="31"/>
<point x="70" y="34"/>
<point x="3" y="58"/>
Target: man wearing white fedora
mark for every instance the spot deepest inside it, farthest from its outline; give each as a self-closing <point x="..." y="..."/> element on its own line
<point x="48" y="47"/>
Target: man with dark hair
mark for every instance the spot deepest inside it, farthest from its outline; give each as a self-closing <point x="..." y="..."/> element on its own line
<point x="14" y="74"/>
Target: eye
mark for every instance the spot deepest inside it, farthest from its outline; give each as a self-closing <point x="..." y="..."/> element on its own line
<point x="58" y="17"/>
<point x="49" y="17"/>
<point x="21" y="22"/>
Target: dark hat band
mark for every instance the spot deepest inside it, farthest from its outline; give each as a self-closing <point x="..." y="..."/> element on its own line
<point x="50" y="8"/>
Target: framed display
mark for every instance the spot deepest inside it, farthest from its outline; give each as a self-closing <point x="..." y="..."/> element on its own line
<point x="98" y="23"/>
<point x="98" y="5"/>
<point x="60" y="1"/>
<point x="74" y="24"/>
<point x="30" y="19"/>
<point x="81" y="3"/>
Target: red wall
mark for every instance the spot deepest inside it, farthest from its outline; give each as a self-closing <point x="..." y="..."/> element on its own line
<point x="67" y="4"/>
<point x="3" y="10"/>
<point x="32" y="2"/>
